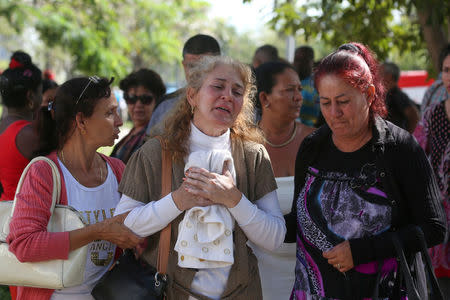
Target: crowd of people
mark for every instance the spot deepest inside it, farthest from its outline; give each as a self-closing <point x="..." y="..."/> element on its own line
<point x="288" y="180"/>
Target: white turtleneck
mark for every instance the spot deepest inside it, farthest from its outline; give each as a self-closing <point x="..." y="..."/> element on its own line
<point x="262" y="222"/>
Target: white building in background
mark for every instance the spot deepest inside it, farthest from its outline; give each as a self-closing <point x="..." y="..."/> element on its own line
<point x="415" y="84"/>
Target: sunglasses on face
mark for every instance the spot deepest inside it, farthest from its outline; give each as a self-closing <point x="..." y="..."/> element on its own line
<point x="132" y="99"/>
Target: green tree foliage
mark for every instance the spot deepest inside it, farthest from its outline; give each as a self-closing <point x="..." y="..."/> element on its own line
<point x="107" y="37"/>
<point x="405" y="25"/>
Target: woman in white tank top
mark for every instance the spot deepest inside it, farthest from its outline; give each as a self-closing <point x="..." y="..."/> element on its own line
<point x="280" y="100"/>
<point x="82" y="117"/>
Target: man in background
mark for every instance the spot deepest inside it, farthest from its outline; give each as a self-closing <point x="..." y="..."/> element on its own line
<point x="263" y="54"/>
<point x="303" y="64"/>
<point x="195" y="48"/>
<point x="401" y="110"/>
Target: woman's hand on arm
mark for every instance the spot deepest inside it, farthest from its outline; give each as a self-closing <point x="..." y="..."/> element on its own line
<point x="112" y="230"/>
<point x="218" y="188"/>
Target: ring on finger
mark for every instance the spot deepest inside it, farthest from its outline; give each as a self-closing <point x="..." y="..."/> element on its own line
<point x="339" y="266"/>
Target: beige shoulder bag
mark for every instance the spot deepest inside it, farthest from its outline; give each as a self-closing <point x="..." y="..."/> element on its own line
<point x="51" y="274"/>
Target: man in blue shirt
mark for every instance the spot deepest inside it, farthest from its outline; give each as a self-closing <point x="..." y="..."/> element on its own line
<point x="303" y="64"/>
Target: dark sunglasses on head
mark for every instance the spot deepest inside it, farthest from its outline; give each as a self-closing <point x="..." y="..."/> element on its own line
<point x="132" y="99"/>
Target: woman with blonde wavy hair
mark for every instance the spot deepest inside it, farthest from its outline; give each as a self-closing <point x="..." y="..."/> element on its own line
<point x="223" y="188"/>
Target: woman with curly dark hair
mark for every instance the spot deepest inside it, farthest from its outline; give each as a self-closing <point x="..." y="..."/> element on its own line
<point x="142" y="90"/>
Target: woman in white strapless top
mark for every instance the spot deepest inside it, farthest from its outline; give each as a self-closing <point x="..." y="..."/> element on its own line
<point x="280" y="100"/>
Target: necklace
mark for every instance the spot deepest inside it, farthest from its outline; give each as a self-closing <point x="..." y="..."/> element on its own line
<point x="287" y="142"/>
<point x="64" y="161"/>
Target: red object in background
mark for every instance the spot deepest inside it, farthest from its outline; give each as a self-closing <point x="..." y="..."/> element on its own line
<point x="48" y="74"/>
<point x="414" y="79"/>
<point x="15" y="64"/>
<point x="415" y="84"/>
<point x="13" y="292"/>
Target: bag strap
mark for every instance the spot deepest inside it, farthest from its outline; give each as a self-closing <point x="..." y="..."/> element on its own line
<point x="435" y="290"/>
<point x="413" y="294"/>
<point x="377" y="285"/>
<point x="56" y="193"/>
<point x="166" y="188"/>
<point x="411" y="290"/>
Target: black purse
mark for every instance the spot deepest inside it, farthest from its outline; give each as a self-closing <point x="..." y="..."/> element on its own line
<point x="412" y="284"/>
<point x="132" y="278"/>
<point x="417" y="276"/>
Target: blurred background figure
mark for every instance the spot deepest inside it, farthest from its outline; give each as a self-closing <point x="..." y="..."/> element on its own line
<point x="263" y="54"/>
<point x="280" y="100"/>
<point x="433" y="134"/>
<point x="303" y="64"/>
<point x="195" y="48"/>
<point x="437" y="92"/>
<point x="49" y="86"/>
<point x="142" y="90"/>
<point x="21" y="90"/>
<point x="48" y="91"/>
<point x="401" y="109"/>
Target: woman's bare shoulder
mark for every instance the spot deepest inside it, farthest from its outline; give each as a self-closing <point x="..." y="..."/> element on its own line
<point x="27" y="141"/>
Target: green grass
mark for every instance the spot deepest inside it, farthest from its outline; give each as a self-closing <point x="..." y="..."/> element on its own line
<point x="105" y="150"/>
<point x="4" y="293"/>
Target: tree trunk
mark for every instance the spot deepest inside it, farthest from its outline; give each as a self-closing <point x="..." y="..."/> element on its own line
<point x="448" y="29"/>
<point x="432" y="31"/>
<point x="138" y="62"/>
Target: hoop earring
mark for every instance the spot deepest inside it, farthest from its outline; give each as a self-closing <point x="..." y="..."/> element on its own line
<point x="267" y="105"/>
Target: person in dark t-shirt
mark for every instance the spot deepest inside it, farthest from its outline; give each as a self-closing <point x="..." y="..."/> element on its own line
<point x="401" y="110"/>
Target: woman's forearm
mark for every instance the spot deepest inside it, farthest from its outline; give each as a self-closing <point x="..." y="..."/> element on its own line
<point x="146" y="219"/>
<point x="262" y="222"/>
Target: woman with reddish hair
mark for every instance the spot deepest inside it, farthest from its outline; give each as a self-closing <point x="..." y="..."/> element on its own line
<point x="358" y="179"/>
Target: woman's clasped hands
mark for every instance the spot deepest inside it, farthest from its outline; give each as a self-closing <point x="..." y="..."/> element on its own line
<point x="202" y="188"/>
